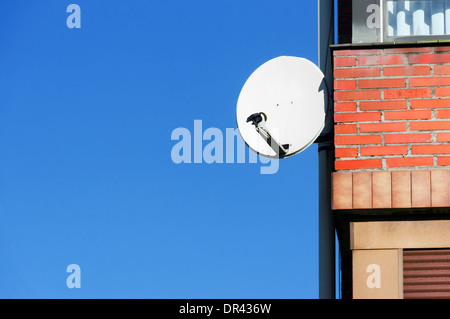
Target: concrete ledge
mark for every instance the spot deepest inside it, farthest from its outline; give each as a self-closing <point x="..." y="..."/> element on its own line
<point x="400" y="234"/>
<point x="391" y="189"/>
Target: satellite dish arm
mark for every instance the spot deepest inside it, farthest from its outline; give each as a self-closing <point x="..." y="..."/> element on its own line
<point x="259" y="120"/>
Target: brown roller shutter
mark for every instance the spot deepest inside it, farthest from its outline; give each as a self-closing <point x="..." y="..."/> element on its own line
<point x="426" y="274"/>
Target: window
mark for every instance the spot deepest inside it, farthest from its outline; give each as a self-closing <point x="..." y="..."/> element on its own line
<point x="418" y="18"/>
<point x="400" y="20"/>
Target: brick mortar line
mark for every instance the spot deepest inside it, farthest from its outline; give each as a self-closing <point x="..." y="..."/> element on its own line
<point x="380" y="110"/>
<point x="392" y="145"/>
<point x="365" y="157"/>
<point x="393" y="133"/>
<point x="395" y="168"/>
<point x="387" y="77"/>
<point x="389" y="132"/>
<point x="393" y="100"/>
<point x="390" y="88"/>
<point x="393" y="88"/>
<point x="393" y="77"/>
<point x="382" y="52"/>
<point x="406" y="63"/>
<point x="368" y="157"/>
<point x="394" y="121"/>
<point x="394" y="110"/>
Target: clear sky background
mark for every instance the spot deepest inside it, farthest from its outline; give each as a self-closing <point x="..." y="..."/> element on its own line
<point x="86" y="175"/>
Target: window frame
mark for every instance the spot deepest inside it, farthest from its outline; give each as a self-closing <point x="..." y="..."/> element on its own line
<point x="410" y="38"/>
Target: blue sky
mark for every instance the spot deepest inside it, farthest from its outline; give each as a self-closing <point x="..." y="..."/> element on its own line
<point x="86" y="175"/>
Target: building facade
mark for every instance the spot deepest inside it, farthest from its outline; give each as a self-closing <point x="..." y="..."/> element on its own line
<point x="391" y="180"/>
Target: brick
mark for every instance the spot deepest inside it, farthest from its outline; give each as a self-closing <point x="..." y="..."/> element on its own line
<point x="381" y="59"/>
<point x="407" y="93"/>
<point x="407" y="115"/>
<point x="407" y="138"/>
<point x="358" y="164"/>
<point x="362" y="190"/>
<point x="344" y="106"/>
<point x="357" y="52"/>
<point x="344" y="61"/>
<point x="442" y="69"/>
<point x="442" y="49"/>
<point x="346" y="152"/>
<point x="345" y="85"/>
<point x="420" y="189"/>
<point x="408" y="50"/>
<point x="443" y="114"/>
<point x="357" y="72"/>
<point x="344" y="53"/>
<point x="345" y="129"/>
<point x="442" y="91"/>
<point x="443" y="160"/>
<point x="440" y="182"/>
<point x="429" y="125"/>
<point x="401" y="189"/>
<point x="382" y="127"/>
<point x="407" y="70"/>
<point x="430" y="149"/>
<point x="357" y="117"/>
<point x="357" y="95"/>
<point x="429" y="58"/>
<point x="381" y="83"/>
<point x="341" y="190"/>
<point x="442" y="137"/>
<point x="357" y="139"/>
<point x="409" y="161"/>
<point x="382" y="105"/>
<point x="381" y="189"/>
<point x="430" y="104"/>
<point x="384" y="150"/>
<point x="429" y="81"/>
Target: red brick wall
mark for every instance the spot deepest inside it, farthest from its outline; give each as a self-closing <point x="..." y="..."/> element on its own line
<point x="392" y="108"/>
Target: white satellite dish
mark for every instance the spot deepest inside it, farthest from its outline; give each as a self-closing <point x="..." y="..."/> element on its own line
<point x="282" y="106"/>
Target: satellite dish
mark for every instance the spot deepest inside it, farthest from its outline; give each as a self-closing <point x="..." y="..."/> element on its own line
<point x="282" y="106"/>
